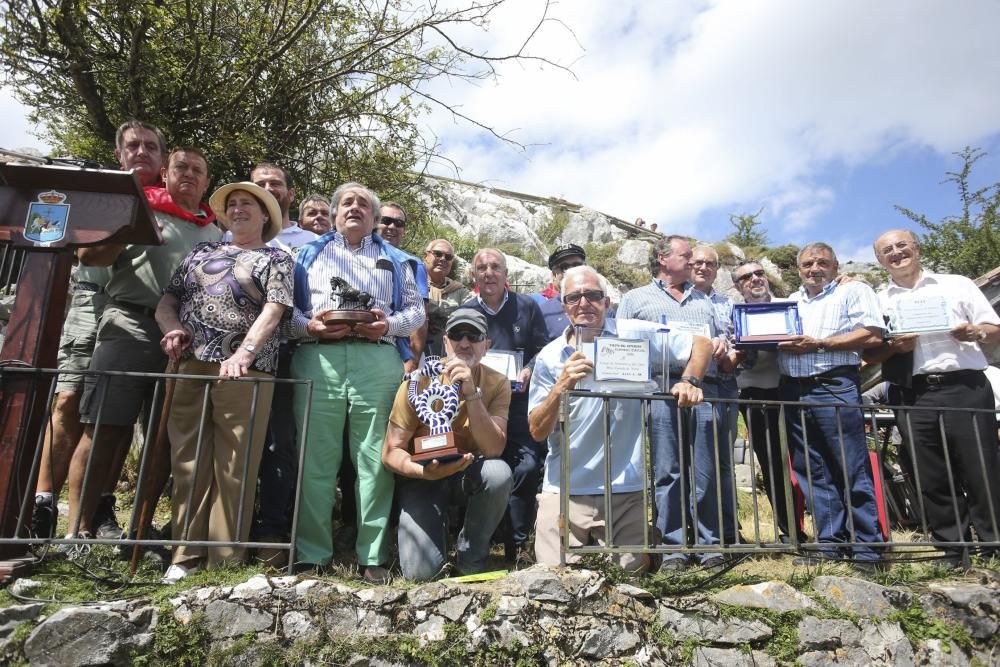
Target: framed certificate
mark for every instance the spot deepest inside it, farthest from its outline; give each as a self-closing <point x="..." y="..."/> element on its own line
<point x="506" y="362"/>
<point x="764" y="325"/>
<point x="919" y="314"/>
<point x="621" y="359"/>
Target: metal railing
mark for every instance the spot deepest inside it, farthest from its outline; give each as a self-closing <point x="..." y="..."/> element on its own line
<point x="908" y="534"/>
<point x="45" y="380"/>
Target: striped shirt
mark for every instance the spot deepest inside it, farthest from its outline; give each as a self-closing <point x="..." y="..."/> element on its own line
<point x="652" y="302"/>
<point x="364" y="270"/>
<point x="837" y="309"/>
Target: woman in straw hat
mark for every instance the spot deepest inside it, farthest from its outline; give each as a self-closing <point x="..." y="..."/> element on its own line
<point x="219" y="317"/>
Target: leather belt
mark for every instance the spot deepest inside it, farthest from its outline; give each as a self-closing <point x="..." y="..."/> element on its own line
<point x="951" y="377"/>
<point x="133" y="307"/>
<point x="345" y="339"/>
<point x="826" y="377"/>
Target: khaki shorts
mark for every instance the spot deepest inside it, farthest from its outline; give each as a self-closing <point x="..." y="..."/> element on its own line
<point x="79" y="334"/>
<point x="586" y="526"/>
<point x="126" y="341"/>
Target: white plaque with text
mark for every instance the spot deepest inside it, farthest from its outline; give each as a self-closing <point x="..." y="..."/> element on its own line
<point x="502" y="361"/>
<point x="621" y="359"/>
<point x="920" y="314"/>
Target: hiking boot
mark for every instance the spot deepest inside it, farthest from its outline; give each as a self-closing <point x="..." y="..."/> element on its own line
<point x="154" y="554"/>
<point x="673" y="565"/>
<point x="105" y="522"/>
<point x="376" y="574"/>
<point x="43" y="517"/>
<point x="274" y="557"/>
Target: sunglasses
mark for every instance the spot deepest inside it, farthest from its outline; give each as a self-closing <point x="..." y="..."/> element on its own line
<point x="563" y="268"/>
<point x="471" y="336"/>
<point x="591" y="295"/>
<point x="440" y="254"/>
<point x="746" y="276"/>
<point x="390" y="222"/>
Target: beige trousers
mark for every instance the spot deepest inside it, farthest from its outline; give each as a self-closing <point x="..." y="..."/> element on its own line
<point x="586" y="525"/>
<point x="214" y="486"/>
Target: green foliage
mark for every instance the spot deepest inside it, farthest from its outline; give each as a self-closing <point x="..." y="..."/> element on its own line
<point x="330" y="90"/>
<point x="726" y="255"/>
<point x="175" y="643"/>
<point x="604" y="258"/>
<point x="919" y="627"/>
<point x="785" y="257"/>
<point x="553" y="228"/>
<point x="12" y="652"/>
<point x="968" y="243"/>
<point x="748" y="230"/>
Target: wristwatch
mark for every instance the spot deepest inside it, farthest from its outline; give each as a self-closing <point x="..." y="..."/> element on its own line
<point x="691" y="380"/>
<point x="477" y="395"/>
<point x="251" y="348"/>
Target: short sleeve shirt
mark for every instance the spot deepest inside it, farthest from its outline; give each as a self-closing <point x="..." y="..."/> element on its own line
<point x="496" y="398"/>
<point x="222" y="290"/>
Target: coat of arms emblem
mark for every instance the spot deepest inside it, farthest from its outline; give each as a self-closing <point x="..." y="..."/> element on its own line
<point x="47" y="218"/>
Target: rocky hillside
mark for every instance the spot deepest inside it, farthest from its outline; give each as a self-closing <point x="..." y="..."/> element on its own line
<point x="527" y="227"/>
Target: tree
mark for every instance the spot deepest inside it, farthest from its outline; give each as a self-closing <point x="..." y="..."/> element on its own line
<point x="330" y="89"/>
<point x="969" y="243"/>
<point x="748" y="233"/>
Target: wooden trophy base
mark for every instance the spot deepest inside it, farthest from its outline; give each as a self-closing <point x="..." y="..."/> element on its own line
<point x="441" y="447"/>
<point x="349" y="317"/>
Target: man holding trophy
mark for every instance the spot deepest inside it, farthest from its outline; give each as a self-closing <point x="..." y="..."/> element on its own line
<point x="447" y="429"/>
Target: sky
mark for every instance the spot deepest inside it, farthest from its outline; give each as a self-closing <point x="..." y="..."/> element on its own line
<point x="823" y="114"/>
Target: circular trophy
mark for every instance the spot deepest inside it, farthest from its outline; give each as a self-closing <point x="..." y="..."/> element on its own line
<point x="352" y="305"/>
<point x="436" y="407"/>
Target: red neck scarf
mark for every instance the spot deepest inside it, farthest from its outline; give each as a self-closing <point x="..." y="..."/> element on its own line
<point x="160" y="200"/>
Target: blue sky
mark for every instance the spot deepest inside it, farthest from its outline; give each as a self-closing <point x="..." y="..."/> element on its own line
<point x="680" y="112"/>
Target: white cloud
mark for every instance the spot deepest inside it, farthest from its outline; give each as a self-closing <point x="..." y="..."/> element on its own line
<point x="742" y="104"/>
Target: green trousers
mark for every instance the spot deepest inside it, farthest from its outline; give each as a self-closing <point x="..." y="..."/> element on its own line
<point x="353" y="382"/>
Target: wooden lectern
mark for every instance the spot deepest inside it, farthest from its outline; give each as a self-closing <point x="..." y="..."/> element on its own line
<point x="48" y="211"/>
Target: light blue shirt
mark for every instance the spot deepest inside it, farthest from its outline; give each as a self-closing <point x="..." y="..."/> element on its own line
<point x="652" y="302"/>
<point x="586" y="415"/>
<point x="837" y="309"/>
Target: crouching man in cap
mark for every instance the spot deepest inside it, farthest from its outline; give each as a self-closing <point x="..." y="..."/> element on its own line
<point x="560" y="367"/>
<point x="478" y="480"/>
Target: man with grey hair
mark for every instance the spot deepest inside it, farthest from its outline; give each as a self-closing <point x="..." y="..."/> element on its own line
<point x="672" y="299"/>
<point x="355" y="372"/>
<point x="516" y="325"/>
<point x="820" y="367"/>
<point x="314" y="214"/>
<point x="946" y="369"/>
<point x="562" y="366"/>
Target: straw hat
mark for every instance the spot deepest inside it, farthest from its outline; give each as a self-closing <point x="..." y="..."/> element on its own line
<point x="218" y="204"/>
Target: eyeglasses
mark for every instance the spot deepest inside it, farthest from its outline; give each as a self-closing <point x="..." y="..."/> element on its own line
<point x="440" y="254"/>
<point x="389" y="222"/>
<point x="705" y="262"/>
<point x="591" y="295"/>
<point x="563" y="268"/>
<point x="471" y="336"/>
<point x="746" y="276"/>
<point x="898" y="245"/>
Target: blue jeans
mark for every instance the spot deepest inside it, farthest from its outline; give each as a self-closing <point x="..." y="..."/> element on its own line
<point x="702" y="427"/>
<point x="483" y="488"/>
<point x="841" y="496"/>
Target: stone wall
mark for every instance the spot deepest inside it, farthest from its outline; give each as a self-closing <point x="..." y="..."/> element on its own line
<point x="535" y="616"/>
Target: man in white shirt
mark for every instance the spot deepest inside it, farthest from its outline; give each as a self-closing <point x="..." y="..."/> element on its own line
<point x="947" y="371"/>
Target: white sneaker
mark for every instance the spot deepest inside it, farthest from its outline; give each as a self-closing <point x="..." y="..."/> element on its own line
<point x="176" y="572"/>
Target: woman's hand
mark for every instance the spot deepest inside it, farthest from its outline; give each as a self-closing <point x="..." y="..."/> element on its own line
<point x="236" y="365"/>
<point x="174" y="342"/>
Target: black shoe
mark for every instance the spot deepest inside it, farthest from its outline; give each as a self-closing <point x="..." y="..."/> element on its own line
<point x="717" y="560"/>
<point x="43" y="517"/>
<point x="105" y="522"/>
<point x="523" y="558"/>
<point x="672" y="565"/>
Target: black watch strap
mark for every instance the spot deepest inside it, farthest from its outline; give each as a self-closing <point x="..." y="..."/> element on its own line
<point x="691" y="380"/>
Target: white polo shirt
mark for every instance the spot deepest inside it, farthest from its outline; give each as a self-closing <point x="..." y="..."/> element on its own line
<point x="940" y="352"/>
